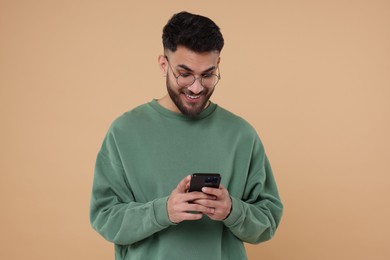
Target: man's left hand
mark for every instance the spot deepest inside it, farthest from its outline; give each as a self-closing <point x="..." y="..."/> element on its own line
<point x="222" y="203"/>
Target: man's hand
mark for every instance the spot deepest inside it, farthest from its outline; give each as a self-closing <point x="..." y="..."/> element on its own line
<point x="179" y="204"/>
<point x="222" y="204"/>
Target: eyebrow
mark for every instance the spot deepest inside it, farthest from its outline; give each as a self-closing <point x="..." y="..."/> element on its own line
<point x="185" y="67"/>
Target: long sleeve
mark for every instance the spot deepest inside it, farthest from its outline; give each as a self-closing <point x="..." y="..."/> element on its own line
<point x="256" y="216"/>
<point x="113" y="212"/>
<point x="145" y="154"/>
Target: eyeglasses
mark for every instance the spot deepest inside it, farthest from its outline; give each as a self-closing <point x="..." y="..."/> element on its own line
<point x="207" y="80"/>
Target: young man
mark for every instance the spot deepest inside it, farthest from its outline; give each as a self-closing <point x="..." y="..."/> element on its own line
<point x="140" y="199"/>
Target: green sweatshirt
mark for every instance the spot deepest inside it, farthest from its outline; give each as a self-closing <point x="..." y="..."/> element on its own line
<point x="145" y="154"/>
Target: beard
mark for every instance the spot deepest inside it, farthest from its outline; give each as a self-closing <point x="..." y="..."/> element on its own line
<point x="189" y="109"/>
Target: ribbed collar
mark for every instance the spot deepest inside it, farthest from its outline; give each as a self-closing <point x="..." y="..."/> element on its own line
<point x="168" y="113"/>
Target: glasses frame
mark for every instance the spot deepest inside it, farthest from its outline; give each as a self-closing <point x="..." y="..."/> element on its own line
<point x="195" y="78"/>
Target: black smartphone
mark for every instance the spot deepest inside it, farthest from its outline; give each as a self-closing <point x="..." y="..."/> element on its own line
<point x="200" y="180"/>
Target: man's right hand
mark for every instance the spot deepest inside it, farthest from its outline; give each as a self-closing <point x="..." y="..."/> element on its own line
<point x="179" y="206"/>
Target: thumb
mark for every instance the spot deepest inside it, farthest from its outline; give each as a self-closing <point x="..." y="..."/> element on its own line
<point x="182" y="186"/>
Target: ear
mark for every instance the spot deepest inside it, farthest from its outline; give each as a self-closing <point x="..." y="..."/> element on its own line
<point x="163" y="65"/>
<point x="219" y="60"/>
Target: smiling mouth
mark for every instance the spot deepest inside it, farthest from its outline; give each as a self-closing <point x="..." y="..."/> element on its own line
<point x="192" y="97"/>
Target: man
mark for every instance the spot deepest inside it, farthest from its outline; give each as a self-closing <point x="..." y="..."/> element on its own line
<point x="140" y="200"/>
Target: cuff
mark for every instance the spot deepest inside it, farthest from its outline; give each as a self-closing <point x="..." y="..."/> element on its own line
<point x="235" y="214"/>
<point x="160" y="212"/>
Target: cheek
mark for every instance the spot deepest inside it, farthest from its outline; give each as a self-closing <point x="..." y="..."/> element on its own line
<point x="171" y="83"/>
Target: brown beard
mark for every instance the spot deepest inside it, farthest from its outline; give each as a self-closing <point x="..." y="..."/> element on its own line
<point x="193" y="111"/>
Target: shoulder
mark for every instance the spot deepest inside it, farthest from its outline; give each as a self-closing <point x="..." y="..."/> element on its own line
<point x="238" y="127"/>
<point x="131" y="118"/>
<point x="233" y="120"/>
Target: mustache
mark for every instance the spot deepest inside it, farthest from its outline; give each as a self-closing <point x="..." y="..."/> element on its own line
<point x="189" y="92"/>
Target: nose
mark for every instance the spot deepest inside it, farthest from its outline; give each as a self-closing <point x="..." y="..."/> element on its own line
<point x="196" y="87"/>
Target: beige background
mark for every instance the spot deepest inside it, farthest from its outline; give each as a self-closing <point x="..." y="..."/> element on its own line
<point x="313" y="77"/>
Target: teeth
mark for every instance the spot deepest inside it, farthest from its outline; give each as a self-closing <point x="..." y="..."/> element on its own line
<point x="192" y="97"/>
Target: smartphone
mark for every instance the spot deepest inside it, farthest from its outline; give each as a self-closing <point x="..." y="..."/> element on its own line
<point x="200" y="180"/>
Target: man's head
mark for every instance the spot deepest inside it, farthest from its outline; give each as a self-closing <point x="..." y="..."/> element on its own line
<point x="195" y="32"/>
<point x="192" y="45"/>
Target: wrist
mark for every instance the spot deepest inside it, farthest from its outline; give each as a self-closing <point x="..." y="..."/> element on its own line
<point x="230" y="209"/>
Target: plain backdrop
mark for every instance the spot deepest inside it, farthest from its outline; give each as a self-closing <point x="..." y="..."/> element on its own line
<point x="313" y="77"/>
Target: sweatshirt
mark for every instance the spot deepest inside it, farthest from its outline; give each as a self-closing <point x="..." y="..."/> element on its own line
<point x="145" y="154"/>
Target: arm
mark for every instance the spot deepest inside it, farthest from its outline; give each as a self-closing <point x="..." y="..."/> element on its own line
<point x="255" y="217"/>
<point x="115" y="214"/>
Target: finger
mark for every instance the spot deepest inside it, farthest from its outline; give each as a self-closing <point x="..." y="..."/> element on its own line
<point x="199" y="208"/>
<point x="212" y="191"/>
<point x="182" y="186"/>
<point x="207" y="203"/>
<point x="191" y="216"/>
<point x="179" y="217"/>
<point x="182" y="208"/>
<point x="196" y="195"/>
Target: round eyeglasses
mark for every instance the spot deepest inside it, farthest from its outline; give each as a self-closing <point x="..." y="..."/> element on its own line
<point x="207" y="80"/>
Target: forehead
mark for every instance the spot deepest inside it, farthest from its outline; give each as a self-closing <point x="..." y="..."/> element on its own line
<point x="193" y="60"/>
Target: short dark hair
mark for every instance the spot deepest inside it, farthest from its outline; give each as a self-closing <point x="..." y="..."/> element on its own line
<point x="195" y="32"/>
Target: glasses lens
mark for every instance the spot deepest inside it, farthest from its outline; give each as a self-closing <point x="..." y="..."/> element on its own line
<point x="185" y="80"/>
<point x="209" y="81"/>
<point x="206" y="81"/>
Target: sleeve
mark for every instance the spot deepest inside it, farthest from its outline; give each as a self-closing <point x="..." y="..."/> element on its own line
<point x="114" y="213"/>
<point x="255" y="217"/>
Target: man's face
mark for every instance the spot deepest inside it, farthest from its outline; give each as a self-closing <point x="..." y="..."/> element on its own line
<point x="190" y="100"/>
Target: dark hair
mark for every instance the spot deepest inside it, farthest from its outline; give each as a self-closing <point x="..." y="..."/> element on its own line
<point x="195" y="32"/>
